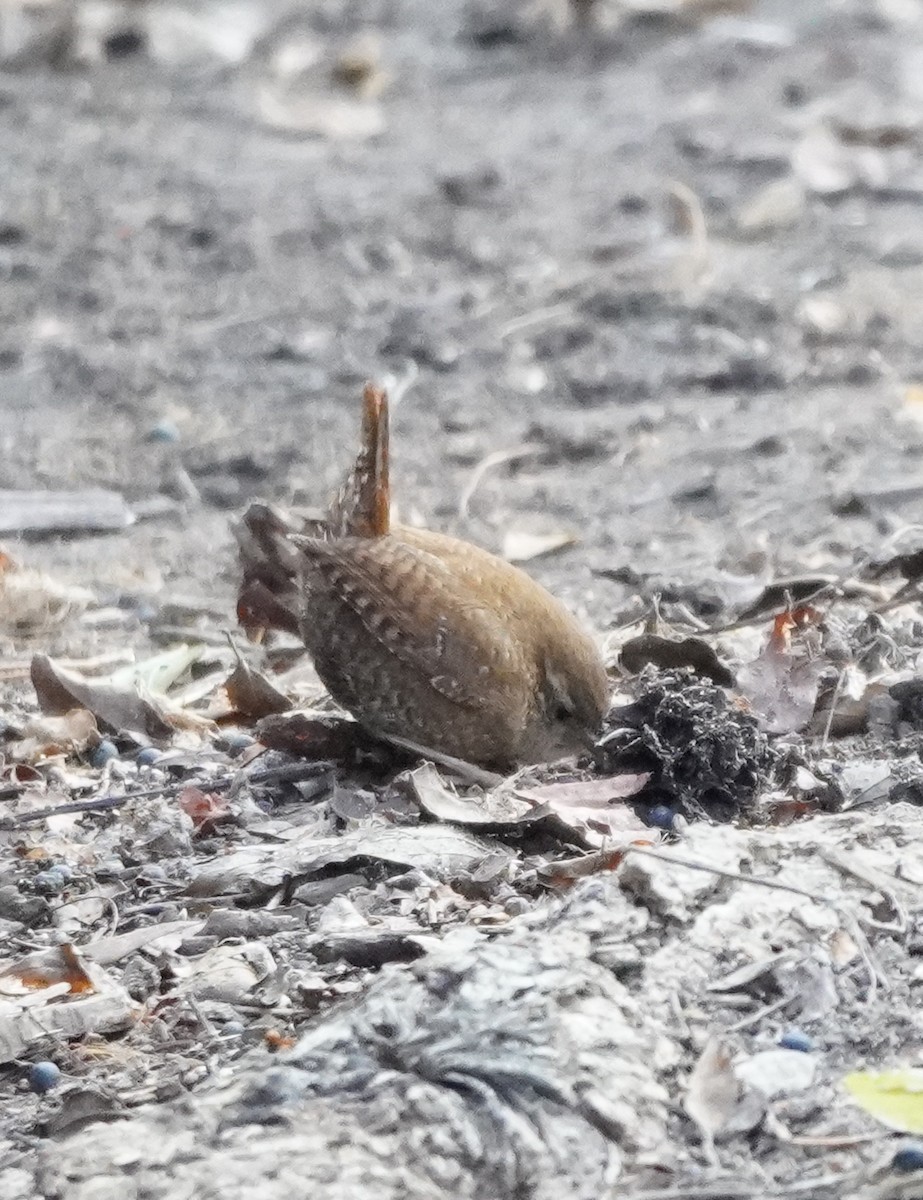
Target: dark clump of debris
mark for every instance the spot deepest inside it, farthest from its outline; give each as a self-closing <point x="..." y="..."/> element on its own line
<point x="707" y="757"/>
<point x="907" y="695"/>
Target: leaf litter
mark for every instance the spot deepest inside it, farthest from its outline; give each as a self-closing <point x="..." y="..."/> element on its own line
<point x="360" y="860"/>
<point x="370" y="860"/>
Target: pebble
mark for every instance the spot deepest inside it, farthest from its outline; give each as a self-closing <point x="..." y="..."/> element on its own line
<point x="43" y="1076"/>
<point x="14" y="906"/>
<point x="147" y="757"/>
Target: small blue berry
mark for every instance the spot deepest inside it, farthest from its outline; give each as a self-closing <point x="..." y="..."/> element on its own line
<point x="795" y="1039"/>
<point x="661" y="816"/>
<point x="102" y="753"/>
<point x="147" y="757"/>
<point x="908" y="1158"/>
<point x="236" y="743"/>
<point x="164" y="431"/>
<point x="43" y="1076"/>
<point x="233" y="1028"/>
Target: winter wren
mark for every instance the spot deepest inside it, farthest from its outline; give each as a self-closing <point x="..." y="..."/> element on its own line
<point x="419" y="635"/>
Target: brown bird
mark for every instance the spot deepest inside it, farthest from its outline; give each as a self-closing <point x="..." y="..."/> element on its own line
<point x="421" y="636"/>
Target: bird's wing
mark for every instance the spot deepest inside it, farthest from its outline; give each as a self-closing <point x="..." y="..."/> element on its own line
<point x="421" y="611"/>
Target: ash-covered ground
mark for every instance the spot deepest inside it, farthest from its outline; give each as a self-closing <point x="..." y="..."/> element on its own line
<point x="646" y="284"/>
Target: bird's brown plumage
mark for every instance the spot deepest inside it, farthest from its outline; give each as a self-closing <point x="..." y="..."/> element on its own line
<point x="423" y="636"/>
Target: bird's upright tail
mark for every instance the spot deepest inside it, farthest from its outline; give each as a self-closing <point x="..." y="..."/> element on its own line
<point x="362" y="507"/>
<point x="269" y="593"/>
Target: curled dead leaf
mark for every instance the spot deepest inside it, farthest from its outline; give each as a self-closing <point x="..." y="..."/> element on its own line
<point x="59" y="691"/>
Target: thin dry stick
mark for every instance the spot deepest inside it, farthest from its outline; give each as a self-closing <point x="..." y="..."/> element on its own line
<point x="102" y="803"/>
<point x="755" y="1018"/>
<point x="834" y="700"/>
<point x="537" y="317"/>
<point x="496" y="459"/>
<point x="840" y="863"/>
<point x="466" y="770"/>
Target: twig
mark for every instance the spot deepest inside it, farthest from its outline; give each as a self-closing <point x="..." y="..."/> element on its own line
<point x="537" y="317"/>
<point x="496" y="459"/>
<point x="832" y="587"/>
<point x="760" y="1013"/>
<point x="104" y="803"/>
<point x="465" y="770"/>
<point x="834" y="700"/>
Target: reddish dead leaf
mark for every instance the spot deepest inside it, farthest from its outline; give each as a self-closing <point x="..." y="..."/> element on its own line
<point x="205" y="808"/>
<point x="46" y="969"/>
<point x="787" y="810"/>
<point x="21" y="773"/>
<point x="785" y="624"/>
<point x="276" y="1041"/>
<point x="781" y="685"/>
<point x="564" y="873"/>
<point x="317" y="738"/>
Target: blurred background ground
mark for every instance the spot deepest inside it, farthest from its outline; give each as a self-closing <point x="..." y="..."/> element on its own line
<point x="677" y="254"/>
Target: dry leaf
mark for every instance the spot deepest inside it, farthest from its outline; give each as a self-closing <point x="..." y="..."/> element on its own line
<point x="59" y="691"/>
<point x="251" y="694"/>
<point x="46" y="736"/>
<point x="717" y="1100"/>
<point x="204" y="808"/>
<point x="441" y="801"/>
<point x="671" y="653"/>
<point x="776" y="206"/>
<point x="592" y="809"/>
<point x="31" y="602"/>
<point x="57" y="992"/>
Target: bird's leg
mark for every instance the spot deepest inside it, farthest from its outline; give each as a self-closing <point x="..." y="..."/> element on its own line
<point x="362" y="506"/>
